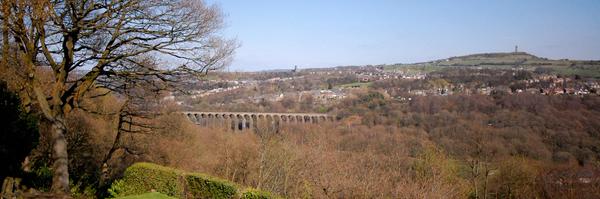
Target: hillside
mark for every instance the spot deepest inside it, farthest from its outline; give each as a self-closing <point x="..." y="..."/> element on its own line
<point x="521" y="60"/>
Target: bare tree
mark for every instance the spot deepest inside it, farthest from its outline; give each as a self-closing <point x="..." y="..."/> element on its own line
<point x="141" y="105"/>
<point x="84" y="42"/>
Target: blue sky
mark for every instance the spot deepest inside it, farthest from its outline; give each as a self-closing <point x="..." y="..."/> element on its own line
<point x="279" y="34"/>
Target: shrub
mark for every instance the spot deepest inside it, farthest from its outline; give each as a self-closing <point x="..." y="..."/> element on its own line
<point x="203" y="186"/>
<point x="144" y="177"/>
<point x="257" y="194"/>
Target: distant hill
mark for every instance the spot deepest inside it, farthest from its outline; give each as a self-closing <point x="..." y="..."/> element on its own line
<point x="493" y="58"/>
<point x="499" y="60"/>
<point x="521" y="60"/>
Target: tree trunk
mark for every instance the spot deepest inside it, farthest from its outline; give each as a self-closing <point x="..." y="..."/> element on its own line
<point x="60" y="165"/>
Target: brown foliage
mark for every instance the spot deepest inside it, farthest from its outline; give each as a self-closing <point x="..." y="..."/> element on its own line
<point x="305" y="161"/>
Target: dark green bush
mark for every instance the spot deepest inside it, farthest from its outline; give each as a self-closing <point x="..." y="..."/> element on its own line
<point x="144" y="177"/>
<point x="257" y="194"/>
<point x="203" y="186"/>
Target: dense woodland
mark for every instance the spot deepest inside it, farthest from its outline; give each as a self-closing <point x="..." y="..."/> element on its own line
<point x="511" y="146"/>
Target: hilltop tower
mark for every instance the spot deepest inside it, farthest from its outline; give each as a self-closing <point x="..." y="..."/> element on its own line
<point x="516" y="49"/>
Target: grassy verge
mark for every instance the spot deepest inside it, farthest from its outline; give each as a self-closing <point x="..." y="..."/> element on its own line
<point x="153" y="195"/>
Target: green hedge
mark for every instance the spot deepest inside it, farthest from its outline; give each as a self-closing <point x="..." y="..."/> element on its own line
<point x="203" y="186"/>
<point x="142" y="178"/>
<point x="257" y="194"/>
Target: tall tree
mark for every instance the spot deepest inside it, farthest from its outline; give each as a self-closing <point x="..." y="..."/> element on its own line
<point x="84" y="42"/>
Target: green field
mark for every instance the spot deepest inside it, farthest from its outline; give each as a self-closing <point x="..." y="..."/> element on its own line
<point x="356" y="85"/>
<point x="153" y="195"/>
<point x="584" y="72"/>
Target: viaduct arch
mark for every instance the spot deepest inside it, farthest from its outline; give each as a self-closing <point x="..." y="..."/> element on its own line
<point x="251" y="120"/>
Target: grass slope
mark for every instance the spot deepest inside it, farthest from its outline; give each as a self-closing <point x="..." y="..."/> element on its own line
<point x="153" y="195"/>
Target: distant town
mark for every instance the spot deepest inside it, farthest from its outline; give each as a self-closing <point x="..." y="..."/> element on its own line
<point x="480" y="74"/>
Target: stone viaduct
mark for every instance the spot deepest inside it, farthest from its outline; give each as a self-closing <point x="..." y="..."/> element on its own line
<point x="250" y="120"/>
